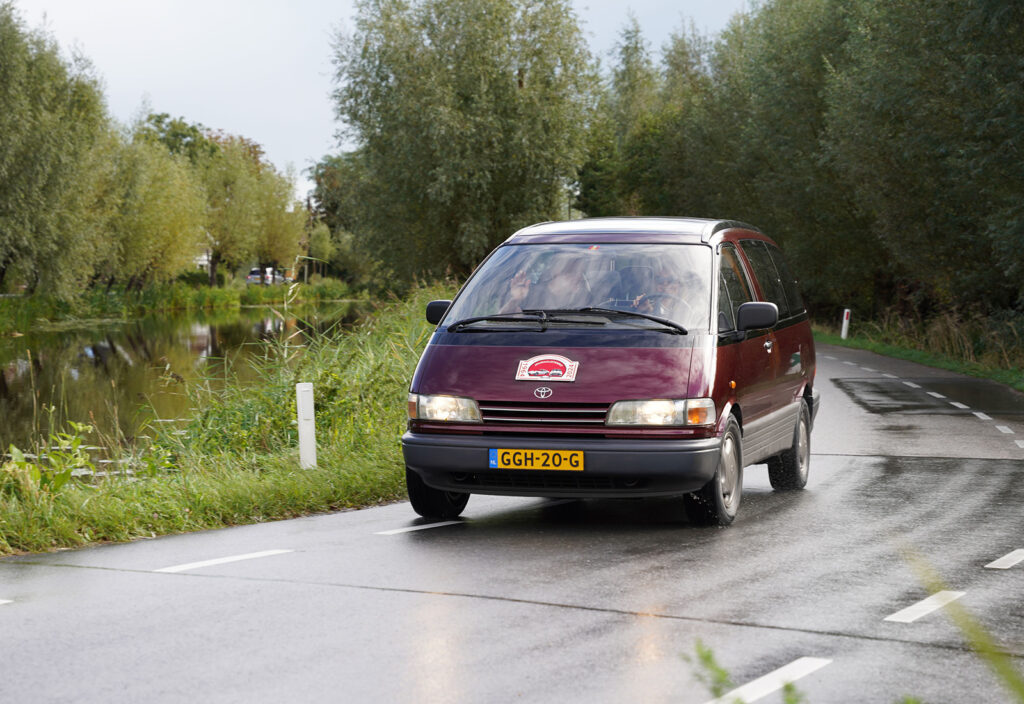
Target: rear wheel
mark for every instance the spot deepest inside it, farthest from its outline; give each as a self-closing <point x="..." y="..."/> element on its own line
<point x="789" y="469"/>
<point x="717" y="502"/>
<point x="430" y="502"/>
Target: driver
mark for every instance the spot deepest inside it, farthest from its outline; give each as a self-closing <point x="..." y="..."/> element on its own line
<point x="668" y="291"/>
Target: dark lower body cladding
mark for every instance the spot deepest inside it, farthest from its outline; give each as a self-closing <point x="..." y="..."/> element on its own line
<point x="612" y="468"/>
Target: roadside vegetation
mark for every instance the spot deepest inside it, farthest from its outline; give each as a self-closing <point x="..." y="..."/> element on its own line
<point x="237" y="461"/>
<point x="984" y="347"/>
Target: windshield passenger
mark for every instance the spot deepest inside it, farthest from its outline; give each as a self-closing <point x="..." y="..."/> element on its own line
<point x="564" y="285"/>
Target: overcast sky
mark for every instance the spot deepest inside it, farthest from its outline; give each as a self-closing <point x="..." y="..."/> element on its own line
<point x="261" y="68"/>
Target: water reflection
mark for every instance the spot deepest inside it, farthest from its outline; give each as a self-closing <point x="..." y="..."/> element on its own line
<point x="115" y="374"/>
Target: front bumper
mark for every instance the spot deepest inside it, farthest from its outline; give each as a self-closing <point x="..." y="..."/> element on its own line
<point x="613" y="468"/>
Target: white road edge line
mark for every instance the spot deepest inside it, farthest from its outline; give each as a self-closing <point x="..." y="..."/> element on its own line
<point x="924" y="607"/>
<point x="410" y="529"/>
<point x="936" y="394"/>
<point x="912" y="385"/>
<point x="959" y="405"/>
<point x="1006" y="561"/>
<point x="222" y="560"/>
<point x="983" y="416"/>
<point x="773" y="681"/>
<point x="1005" y="429"/>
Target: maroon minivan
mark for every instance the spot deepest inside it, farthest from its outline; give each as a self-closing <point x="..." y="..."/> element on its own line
<point x="615" y="357"/>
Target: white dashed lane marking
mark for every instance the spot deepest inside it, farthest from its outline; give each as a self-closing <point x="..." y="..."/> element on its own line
<point x="912" y="385"/>
<point x="890" y="376"/>
<point x="425" y="526"/>
<point x="869" y="369"/>
<point x="1005" y="429"/>
<point x="924" y="607"/>
<point x="1007" y="561"/>
<point x="983" y="416"/>
<point x="1020" y="443"/>
<point x="773" y="681"/>
<point x="5" y="601"/>
<point x="222" y="560"/>
<point x="936" y="394"/>
<point x="959" y="405"/>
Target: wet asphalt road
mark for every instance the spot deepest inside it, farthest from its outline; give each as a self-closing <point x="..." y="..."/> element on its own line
<point x="560" y="601"/>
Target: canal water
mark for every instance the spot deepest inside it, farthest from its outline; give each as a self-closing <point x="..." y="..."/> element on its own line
<point x="119" y="376"/>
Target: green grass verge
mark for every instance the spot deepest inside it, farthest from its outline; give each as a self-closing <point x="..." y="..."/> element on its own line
<point x="1013" y="377"/>
<point x="237" y="461"/>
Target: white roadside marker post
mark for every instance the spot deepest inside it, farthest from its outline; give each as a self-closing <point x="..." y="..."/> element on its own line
<point x="846" y="322"/>
<point x="307" y="425"/>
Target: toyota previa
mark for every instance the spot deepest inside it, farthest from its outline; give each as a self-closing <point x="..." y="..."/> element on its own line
<point x="615" y="357"/>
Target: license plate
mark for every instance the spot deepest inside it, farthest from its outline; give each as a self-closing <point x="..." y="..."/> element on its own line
<point x="563" y="460"/>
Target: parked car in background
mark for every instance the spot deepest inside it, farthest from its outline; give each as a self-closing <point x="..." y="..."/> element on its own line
<point x="266" y="276"/>
<point x="618" y="358"/>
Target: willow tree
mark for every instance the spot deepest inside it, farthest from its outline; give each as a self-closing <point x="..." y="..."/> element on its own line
<point x="469" y="118"/>
<point x="51" y="117"/>
<point x="156" y="229"/>
<point x="230" y="176"/>
<point x="280" y="220"/>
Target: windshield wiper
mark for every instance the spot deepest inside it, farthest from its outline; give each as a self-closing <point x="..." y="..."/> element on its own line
<point x="539" y="316"/>
<point x="676" y="328"/>
<point x="459" y="324"/>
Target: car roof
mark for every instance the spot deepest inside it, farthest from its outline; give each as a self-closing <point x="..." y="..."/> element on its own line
<point x="661" y="230"/>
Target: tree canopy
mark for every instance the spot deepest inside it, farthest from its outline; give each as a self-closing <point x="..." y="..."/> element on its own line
<point x="468" y="116"/>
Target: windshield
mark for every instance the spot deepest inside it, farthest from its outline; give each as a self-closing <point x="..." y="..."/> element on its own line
<point x="663" y="280"/>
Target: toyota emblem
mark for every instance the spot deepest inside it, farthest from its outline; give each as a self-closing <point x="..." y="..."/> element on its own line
<point x="542" y="392"/>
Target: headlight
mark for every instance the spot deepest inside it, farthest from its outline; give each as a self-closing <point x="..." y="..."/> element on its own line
<point x="662" y="411"/>
<point x="450" y="409"/>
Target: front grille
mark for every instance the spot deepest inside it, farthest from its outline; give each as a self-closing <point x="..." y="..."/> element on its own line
<point x="530" y="413"/>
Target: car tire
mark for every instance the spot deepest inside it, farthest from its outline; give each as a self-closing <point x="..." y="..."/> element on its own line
<point x="717" y="502"/>
<point x="430" y="502"/>
<point x="789" y="469"/>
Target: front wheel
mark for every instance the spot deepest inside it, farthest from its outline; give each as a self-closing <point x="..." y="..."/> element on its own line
<point x="430" y="502"/>
<point x="789" y="469"/>
<point x="717" y="502"/>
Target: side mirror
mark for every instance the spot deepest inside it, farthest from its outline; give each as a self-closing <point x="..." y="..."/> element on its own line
<point x="757" y="316"/>
<point x="436" y="311"/>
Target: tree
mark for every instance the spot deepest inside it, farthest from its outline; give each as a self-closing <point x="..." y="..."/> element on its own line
<point x="924" y="118"/>
<point x="230" y="177"/>
<point x="281" y="221"/>
<point x="469" y="116"/>
<point x="321" y="246"/>
<point x="179" y="136"/>
<point x="157" y="228"/>
<point x="51" y="118"/>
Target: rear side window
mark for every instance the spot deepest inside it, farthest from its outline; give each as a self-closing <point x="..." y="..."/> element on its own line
<point x="776" y="281"/>
<point x="733" y="289"/>
<point x="796" y="301"/>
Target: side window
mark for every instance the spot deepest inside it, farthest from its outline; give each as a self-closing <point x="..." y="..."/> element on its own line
<point x="796" y="301"/>
<point x="764" y="269"/>
<point x="733" y="290"/>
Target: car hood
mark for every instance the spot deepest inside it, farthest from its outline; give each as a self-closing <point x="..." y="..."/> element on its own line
<point x="602" y="374"/>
